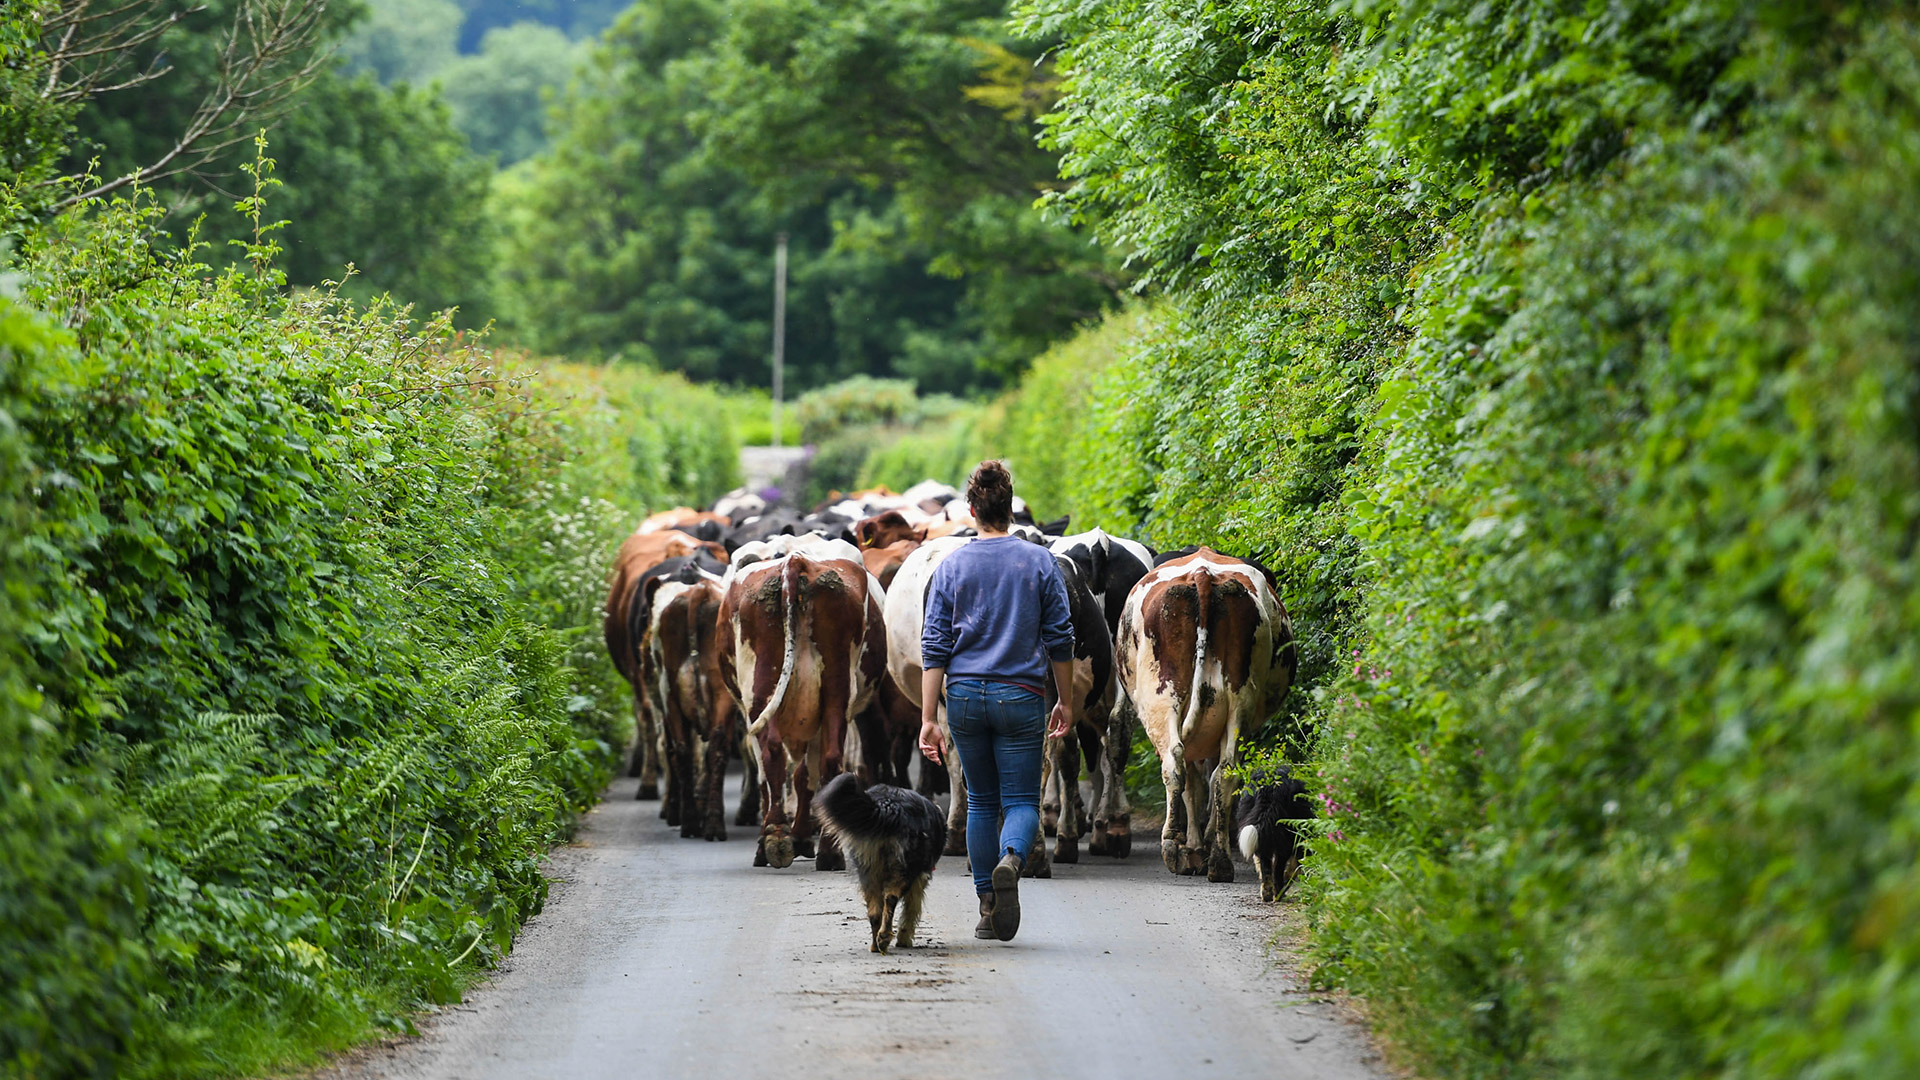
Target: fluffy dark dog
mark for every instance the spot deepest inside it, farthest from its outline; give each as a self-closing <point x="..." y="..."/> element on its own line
<point x="1268" y="838"/>
<point x="892" y="837"/>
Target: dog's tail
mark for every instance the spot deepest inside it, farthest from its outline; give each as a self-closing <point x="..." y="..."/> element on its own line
<point x="846" y="808"/>
<point x="1249" y="841"/>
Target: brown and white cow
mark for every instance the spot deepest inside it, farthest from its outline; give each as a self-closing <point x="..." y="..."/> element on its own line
<point x="638" y="554"/>
<point x="803" y="649"/>
<point x="680" y="667"/>
<point x="885" y="562"/>
<point x="1205" y="654"/>
<point x="886" y="528"/>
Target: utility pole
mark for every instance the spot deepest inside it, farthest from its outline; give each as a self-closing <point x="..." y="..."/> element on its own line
<point x="779" y="326"/>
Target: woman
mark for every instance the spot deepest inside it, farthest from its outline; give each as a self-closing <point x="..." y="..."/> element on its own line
<point x="996" y="620"/>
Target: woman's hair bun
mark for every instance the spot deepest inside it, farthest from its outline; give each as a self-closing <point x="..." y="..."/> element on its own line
<point x="990" y="494"/>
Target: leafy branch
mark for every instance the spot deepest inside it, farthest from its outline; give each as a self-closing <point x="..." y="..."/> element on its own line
<point x="268" y="53"/>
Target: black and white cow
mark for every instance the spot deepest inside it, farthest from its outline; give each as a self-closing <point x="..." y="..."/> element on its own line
<point x="1111" y="566"/>
<point x="1062" y="814"/>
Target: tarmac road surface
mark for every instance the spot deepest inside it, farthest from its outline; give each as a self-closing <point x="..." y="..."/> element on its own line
<point x="658" y="957"/>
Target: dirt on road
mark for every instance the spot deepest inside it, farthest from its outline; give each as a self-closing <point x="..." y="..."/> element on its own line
<point x="658" y="957"/>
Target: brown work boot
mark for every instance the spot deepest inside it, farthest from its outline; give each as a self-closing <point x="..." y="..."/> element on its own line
<point x="1006" y="897"/>
<point x="985" y="929"/>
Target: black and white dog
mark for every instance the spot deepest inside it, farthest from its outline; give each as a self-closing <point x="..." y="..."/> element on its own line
<point x="1268" y="838"/>
<point x="891" y="837"/>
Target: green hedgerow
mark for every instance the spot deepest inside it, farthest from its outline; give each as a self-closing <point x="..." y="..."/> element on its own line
<point x="307" y="677"/>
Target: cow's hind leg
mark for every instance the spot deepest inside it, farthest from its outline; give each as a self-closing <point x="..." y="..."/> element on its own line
<point x="714" y="787"/>
<point x="681" y="792"/>
<point x="776" y="840"/>
<point x="957" y="810"/>
<point x="1066" y="847"/>
<point x="933" y="776"/>
<point x="1119" y="750"/>
<point x="1173" y="834"/>
<point x="749" y="784"/>
<point x="1039" y="862"/>
<point x="663" y="768"/>
<point x="871" y="763"/>
<point x="798" y="811"/>
<point x="1050" y="752"/>
<point x="901" y="752"/>
<point x="824" y="762"/>
<point x="1193" y="788"/>
<point x="646" y="753"/>
<point x="1216" y="841"/>
<point x="1093" y="752"/>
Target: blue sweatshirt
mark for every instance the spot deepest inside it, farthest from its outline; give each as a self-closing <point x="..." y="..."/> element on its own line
<point x="997" y="610"/>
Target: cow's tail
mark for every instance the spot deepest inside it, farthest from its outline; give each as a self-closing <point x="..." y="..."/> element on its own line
<point x="692" y="605"/>
<point x="790" y="610"/>
<point x="1202" y="601"/>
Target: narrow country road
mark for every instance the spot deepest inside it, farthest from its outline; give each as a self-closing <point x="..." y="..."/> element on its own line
<point x="658" y="957"/>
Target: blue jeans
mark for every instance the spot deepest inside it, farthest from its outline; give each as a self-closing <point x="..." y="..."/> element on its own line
<point x="998" y="730"/>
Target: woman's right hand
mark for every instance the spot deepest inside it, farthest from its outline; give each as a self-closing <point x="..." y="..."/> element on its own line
<point x="931" y="744"/>
<point x="1061" y="721"/>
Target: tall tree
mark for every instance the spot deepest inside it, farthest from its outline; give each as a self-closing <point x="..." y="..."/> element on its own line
<point x="632" y="237"/>
<point x="933" y="103"/>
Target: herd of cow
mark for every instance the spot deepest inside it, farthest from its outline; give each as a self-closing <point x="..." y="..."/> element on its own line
<point x="796" y="639"/>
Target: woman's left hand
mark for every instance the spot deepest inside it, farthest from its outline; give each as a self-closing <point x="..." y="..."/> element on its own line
<point x="931" y="744"/>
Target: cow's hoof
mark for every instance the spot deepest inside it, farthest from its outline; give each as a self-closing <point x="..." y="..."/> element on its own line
<point x="803" y="848"/>
<point x="956" y="842"/>
<point x="830" y="860"/>
<point x="1120" y="844"/>
<point x="780" y="852"/>
<point x="1170" y="854"/>
<point x="744" y="819"/>
<point x="1097" y="839"/>
<point x="1037" y="864"/>
<point x="1066" y="850"/>
<point x="1219" y="867"/>
<point x="1193" y="861"/>
<point x="760" y="854"/>
<point x="648" y="792"/>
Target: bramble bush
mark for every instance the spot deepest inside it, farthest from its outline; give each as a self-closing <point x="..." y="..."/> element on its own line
<point x="1561" y="358"/>
<point x="300" y="675"/>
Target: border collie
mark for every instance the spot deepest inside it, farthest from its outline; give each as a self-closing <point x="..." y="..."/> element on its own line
<point x="1268" y="838"/>
<point x="892" y="837"/>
